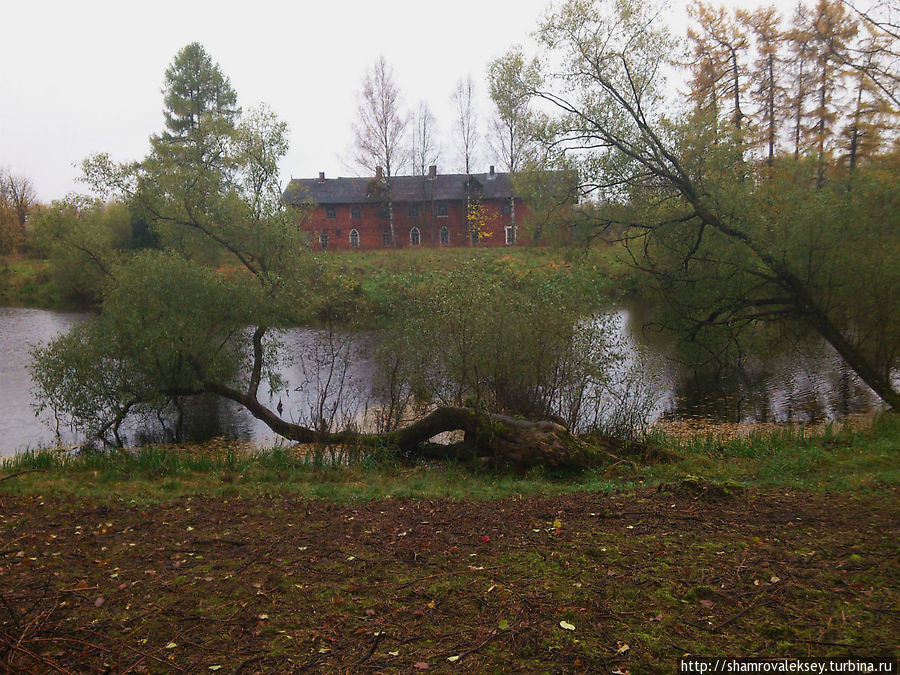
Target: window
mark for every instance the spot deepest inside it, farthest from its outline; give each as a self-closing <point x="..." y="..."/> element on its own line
<point x="356" y="212"/>
<point x="510" y="235"/>
<point x="506" y="208"/>
<point x="386" y="238"/>
<point x="323" y="240"/>
<point x="412" y="210"/>
<point x="442" y="209"/>
<point x="414" y="238"/>
<point x="330" y="212"/>
<point x="354" y="238"/>
<point x="445" y="236"/>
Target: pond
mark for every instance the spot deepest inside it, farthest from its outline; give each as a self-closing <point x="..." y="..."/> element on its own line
<point x="803" y="387"/>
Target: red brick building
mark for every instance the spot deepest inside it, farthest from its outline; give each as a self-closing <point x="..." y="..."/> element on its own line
<point x="427" y="210"/>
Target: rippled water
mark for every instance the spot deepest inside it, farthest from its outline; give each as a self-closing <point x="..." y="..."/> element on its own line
<point x="790" y="387"/>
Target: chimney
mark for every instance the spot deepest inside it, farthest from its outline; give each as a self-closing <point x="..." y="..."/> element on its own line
<point x="492" y="175"/>
<point x="321" y="176"/>
<point x="432" y="171"/>
<point x="379" y="173"/>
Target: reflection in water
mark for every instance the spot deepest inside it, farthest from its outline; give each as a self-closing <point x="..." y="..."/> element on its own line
<point x="809" y="387"/>
<point x="20" y="329"/>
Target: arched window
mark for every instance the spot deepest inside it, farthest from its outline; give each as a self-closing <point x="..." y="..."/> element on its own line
<point x="445" y="236"/>
<point x="414" y="238"/>
<point x="354" y="238"/>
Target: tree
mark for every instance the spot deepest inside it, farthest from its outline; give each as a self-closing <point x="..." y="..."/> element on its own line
<point x="203" y="315"/>
<point x="84" y="239"/>
<point x="195" y="90"/>
<point x="380" y="130"/>
<point x="466" y="125"/>
<point x="425" y="152"/>
<point x="510" y="77"/>
<point x="703" y="224"/>
<point x="719" y="46"/>
<point x="767" y="89"/>
<point x="17" y="199"/>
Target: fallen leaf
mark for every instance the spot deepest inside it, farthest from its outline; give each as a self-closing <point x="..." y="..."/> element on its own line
<point x="557" y="523"/>
<point x="707" y="603"/>
<point x="215" y="667"/>
<point x="453" y="659"/>
<point x="622" y="648"/>
<point x="503" y="625"/>
<point x="566" y="625"/>
<point x="774" y="580"/>
<point x="421" y="665"/>
<point x="99" y="601"/>
<point x="394" y="653"/>
<point x="171" y="645"/>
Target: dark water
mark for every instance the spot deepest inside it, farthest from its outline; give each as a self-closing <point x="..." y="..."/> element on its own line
<point x="805" y="387"/>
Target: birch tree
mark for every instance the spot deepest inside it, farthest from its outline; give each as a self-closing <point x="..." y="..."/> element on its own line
<point x="380" y="130"/>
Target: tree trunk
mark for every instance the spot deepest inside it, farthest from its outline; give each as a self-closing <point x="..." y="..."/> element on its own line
<point x="508" y="440"/>
<point x="505" y="439"/>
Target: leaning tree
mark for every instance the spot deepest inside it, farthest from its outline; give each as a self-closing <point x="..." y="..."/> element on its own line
<point x="731" y="244"/>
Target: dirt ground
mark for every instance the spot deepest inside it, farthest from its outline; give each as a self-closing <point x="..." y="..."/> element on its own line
<point x="621" y="583"/>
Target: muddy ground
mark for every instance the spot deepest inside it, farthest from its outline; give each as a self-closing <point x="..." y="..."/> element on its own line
<point x="577" y="583"/>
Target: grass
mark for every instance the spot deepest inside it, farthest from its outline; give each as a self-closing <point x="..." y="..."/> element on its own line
<point x="27" y="282"/>
<point x="201" y="558"/>
<point x="379" y="277"/>
<point x="838" y="459"/>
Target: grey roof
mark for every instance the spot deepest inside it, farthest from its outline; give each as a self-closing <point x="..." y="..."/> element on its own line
<point x="404" y="188"/>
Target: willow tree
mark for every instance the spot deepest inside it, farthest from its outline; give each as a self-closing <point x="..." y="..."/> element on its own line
<point x="707" y="228"/>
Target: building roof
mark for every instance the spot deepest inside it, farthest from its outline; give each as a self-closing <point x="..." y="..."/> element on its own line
<point x="327" y="191"/>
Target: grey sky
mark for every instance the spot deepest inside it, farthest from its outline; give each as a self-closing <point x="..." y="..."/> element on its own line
<point x="84" y="77"/>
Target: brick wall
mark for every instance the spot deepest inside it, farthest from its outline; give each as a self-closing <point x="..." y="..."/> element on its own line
<point x="371" y="224"/>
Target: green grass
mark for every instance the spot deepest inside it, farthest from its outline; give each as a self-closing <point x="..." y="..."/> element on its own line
<point x="838" y="459"/>
<point x="27" y="282"/>
<point x="381" y="281"/>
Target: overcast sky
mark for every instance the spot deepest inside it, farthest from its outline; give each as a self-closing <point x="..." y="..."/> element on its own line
<point x="77" y="78"/>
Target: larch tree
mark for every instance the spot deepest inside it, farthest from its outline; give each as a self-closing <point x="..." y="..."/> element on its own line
<point x="720" y="45"/>
<point x="766" y="74"/>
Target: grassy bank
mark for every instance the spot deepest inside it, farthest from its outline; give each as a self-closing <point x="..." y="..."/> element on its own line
<point x="28" y="282"/>
<point x="211" y="559"/>
<point x="378" y="279"/>
<point x="833" y="459"/>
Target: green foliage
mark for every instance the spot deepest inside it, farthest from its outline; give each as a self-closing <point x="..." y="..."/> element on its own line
<point x="195" y="90"/>
<point x="83" y="238"/>
<point x="736" y="247"/>
<point x="522" y="346"/>
<point x="174" y="323"/>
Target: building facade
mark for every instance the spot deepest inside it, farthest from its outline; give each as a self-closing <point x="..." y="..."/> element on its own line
<point x="432" y="210"/>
